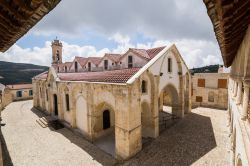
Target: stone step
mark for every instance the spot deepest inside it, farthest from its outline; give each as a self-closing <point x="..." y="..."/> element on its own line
<point x="44" y="121"/>
<point x="40" y="123"/>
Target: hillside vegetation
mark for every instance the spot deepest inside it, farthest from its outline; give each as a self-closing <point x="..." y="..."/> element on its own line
<point x="18" y="73"/>
<point x="205" y="69"/>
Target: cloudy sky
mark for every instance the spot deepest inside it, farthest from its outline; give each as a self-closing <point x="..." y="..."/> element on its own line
<point x="94" y="27"/>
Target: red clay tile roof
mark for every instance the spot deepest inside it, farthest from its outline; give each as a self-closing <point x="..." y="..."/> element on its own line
<point x="113" y="57"/>
<point x="154" y="51"/>
<point x="147" y="54"/>
<point x="113" y="76"/>
<point x="81" y="60"/>
<point x="95" y="60"/>
<point x="68" y="64"/>
<point x="141" y="52"/>
<point x="19" y="86"/>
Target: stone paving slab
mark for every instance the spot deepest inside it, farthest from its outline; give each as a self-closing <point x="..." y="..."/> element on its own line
<point x="30" y="144"/>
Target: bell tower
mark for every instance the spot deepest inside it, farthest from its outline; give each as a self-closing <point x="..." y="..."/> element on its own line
<point x="56" y="52"/>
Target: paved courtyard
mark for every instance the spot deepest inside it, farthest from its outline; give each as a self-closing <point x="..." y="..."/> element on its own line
<point x="201" y="138"/>
<point x="30" y="144"/>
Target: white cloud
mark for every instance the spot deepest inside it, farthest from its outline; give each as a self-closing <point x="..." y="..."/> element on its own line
<point x="159" y="19"/>
<point x="196" y="53"/>
<point x="120" y="39"/>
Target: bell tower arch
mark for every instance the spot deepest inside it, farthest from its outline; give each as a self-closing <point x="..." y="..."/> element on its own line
<point x="56" y="52"/>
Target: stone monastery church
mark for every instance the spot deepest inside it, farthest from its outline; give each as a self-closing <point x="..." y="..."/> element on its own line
<point x="119" y="94"/>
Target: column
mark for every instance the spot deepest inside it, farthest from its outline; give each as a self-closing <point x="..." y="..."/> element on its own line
<point x="239" y="92"/>
<point x="235" y="89"/>
<point x="233" y="85"/>
<point x="72" y="107"/>
<point x="128" y="137"/>
<point x="245" y="102"/>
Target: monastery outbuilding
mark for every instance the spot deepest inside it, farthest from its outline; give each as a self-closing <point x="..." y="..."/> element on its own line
<point x="120" y="94"/>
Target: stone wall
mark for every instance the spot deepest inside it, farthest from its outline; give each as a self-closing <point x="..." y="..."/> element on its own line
<point x="239" y="106"/>
<point x="212" y="94"/>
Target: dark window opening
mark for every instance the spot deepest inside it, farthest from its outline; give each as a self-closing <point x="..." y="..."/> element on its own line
<point x="55" y="105"/>
<point x="30" y="92"/>
<point x="89" y="66"/>
<point x="40" y="92"/>
<point x="19" y="94"/>
<point x="106" y="62"/>
<point x="76" y="67"/>
<point x="57" y="56"/>
<point x="143" y="86"/>
<point x="169" y="65"/>
<point x="130" y="61"/>
<point x="47" y="97"/>
<point x="106" y="119"/>
<point x="66" y="69"/>
<point x="67" y="101"/>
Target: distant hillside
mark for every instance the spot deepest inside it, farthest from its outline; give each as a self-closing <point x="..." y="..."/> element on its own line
<point x="17" y="73"/>
<point x="205" y="69"/>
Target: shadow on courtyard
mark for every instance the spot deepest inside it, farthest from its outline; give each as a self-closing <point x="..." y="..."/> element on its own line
<point x="5" y="156"/>
<point x="97" y="154"/>
<point x="182" y="144"/>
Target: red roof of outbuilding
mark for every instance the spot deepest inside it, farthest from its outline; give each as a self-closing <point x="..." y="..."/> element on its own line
<point x="19" y="86"/>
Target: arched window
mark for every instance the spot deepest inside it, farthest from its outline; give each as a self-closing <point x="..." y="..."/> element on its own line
<point x="65" y="69"/>
<point x="130" y="61"/>
<point x="143" y="86"/>
<point x="210" y="96"/>
<point x="89" y="66"/>
<point x="169" y="65"/>
<point x="106" y="63"/>
<point x="57" y="55"/>
<point x="106" y="119"/>
<point x="67" y="101"/>
<point x="47" y="96"/>
<point x="76" y="67"/>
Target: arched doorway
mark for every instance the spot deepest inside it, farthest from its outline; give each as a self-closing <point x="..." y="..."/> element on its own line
<point x="169" y="107"/>
<point x="104" y="128"/>
<point x="106" y="119"/>
<point x="81" y="114"/>
<point x="55" y="105"/>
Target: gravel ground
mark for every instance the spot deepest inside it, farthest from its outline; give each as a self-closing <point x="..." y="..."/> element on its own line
<point x="29" y="144"/>
<point x="201" y="138"/>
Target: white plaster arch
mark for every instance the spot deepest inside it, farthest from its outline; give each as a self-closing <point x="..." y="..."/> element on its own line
<point x="81" y="114"/>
